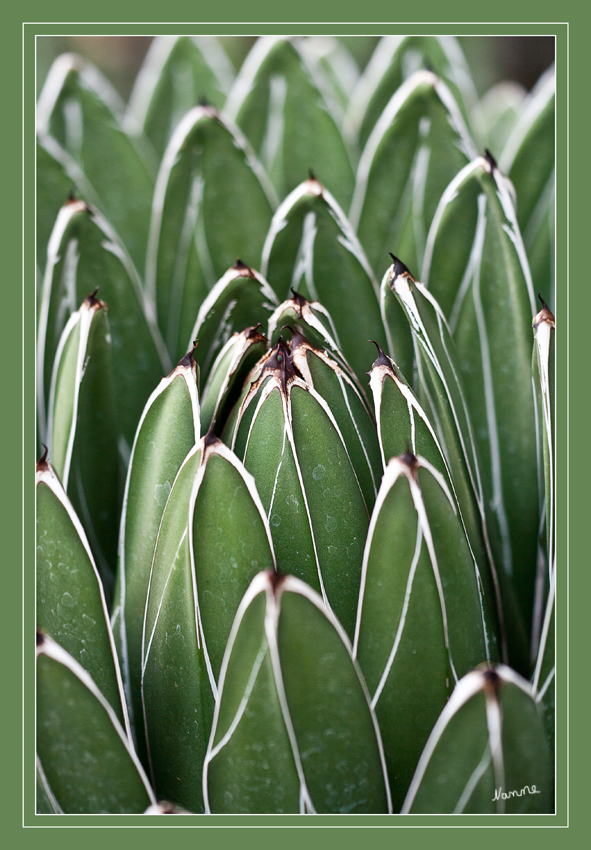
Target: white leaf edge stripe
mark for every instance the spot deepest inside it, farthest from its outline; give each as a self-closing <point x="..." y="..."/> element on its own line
<point x="348" y="238"/>
<point x="55" y="652"/>
<point x="388" y="117"/>
<point x="172" y="155"/>
<point x="113" y="244"/>
<point x="219" y="290"/>
<point x="467" y="687"/>
<point x="147" y="641"/>
<point x="230" y="356"/>
<point x="188" y="375"/>
<point x="83" y="318"/>
<point x="262" y="583"/>
<point x="42" y="778"/>
<point x="394" y="470"/>
<point x="48" y="477"/>
<point x="379" y="63"/>
<point x="534" y="105"/>
<point x="544" y="638"/>
<point x="543" y="339"/>
<point x="154" y="64"/>
<point x="221" y="450"/>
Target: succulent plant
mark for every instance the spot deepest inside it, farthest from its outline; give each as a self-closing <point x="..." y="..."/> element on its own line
<point x="292" y="573"/>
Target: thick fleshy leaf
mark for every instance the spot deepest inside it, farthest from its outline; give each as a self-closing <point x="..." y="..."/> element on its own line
<point x="394" y="60"/>
<point x="349" y="408"/>
<point x="80" y="109"/>
<point x="312" y="249"/>
<point x="177" y="73"/>
<point x="276" y="101"/>
<point x="228" y="377"/>
<point x="71" y="605"/>
<point x="46" y="804"/>
<point x="84" y="253"/>
<point x="336" y="73"/>
<point x="487" y="753"/>
<point x="84" y="752"/>
<point x="240" y="299"/>
<point x="212" y="203"/>
<point x="82" y="435"/>
<point x="544" y="675"/>
<point x="168" y="429"/>
<point x="418" y="145"/>
<point x="442" y="397"/>
<point x="292" y="444"/>
<point x="176" y="689"/>
<point x="53" y="188"/>
<point x="284" y="739"/>
<point x="230" y="543"/>
<point x="499" y="110"/>
<point x="477" y="267"/>
<point x="421" y="607"/>
<point x="528" y="159"/>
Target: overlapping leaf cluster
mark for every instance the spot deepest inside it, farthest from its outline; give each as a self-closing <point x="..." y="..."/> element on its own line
<point x="266" y="583"/>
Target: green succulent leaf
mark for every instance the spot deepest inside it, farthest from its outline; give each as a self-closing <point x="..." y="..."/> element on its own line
<point x="336" y="73"/>
<point x="168" y="429"/>
<point x="421" y="607"/>
<point x="228" y="375"/>
<point x="283" y="739"/>
<point x="311" y="249"/>
<point x="348" y="406"/>
<point x="500" y="108"/>
<point x="240" y="299"/>
<point x="45" y="798"/>
<point x="71" y="604"/>
<point x="177" y="73"/>
<point x="394" y="60"/>
<point x="230" y="542"/>
<point x="418" y="145"/>
<point x="292" y="444"/>
<point x="212" y="203"/>
<point x="487" y="753"/>
<point x="544" y="675"/>
<point x="79" y="108"/>
<point x="76" y="727"/>
<point x="489" y="314"/>
<point x="276" y="101"/>
<point x="84" y="253"/>
<point x="53" y="187"/>
<point x="82" y="436"/>
<point x="176" y="688"/>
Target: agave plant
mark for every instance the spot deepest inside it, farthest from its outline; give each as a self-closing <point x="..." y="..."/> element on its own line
<point x="292" y="572"/>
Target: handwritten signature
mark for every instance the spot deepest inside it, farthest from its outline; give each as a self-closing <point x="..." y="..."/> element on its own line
<point x="506" y="795"/>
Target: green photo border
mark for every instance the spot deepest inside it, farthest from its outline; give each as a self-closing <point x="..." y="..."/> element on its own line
<point x="19" y="795"/>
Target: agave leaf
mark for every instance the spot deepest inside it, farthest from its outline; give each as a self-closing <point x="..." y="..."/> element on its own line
<point x="46" y="804"/>
<point x="487" y="753"/>
<point x="283" y="738"/>
<point x="241" y="298"/>
<point x="84" y="253"/>
<point x="544" y="675"/>
<point x="80" y="109"/>
<point x="85" y="754"/>
<point x="71" y="604"/>
<point x="53" y="187"/>
<point x="230" y="542"/>
<point x="177" y="73"/>
<point x="292" y="444"/>
<point x="177" y="693"/>
<point x="228" y="376"/>
<point x="489" y="316"/>
<point x="312" y="248"/>
<point x="212" y="203"/>
<point x="82" y="436"/>
<point x="500" y="107"/>
<point x="394" y="60"/>
<point x="441" y="396"/>
<point x="276" y="101"/>
<point x="528" y="159"/>
<point x="336" y="71"/>
<point x="349" y="408"/>
<point x="544" y="366"/>
<point x="421" y="607"/>
<point x="172" y="409"/>
<point x="418" y="145"/>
